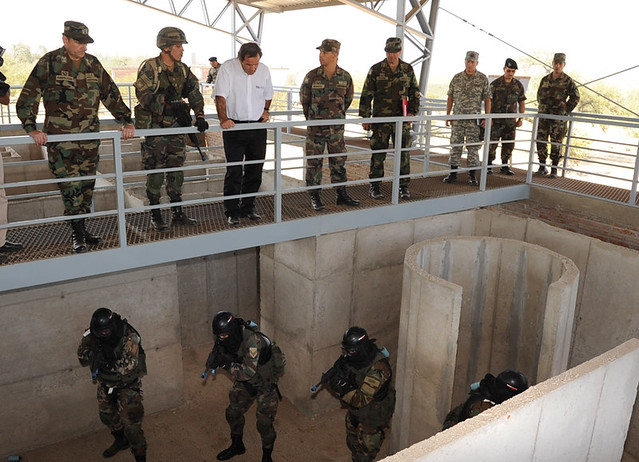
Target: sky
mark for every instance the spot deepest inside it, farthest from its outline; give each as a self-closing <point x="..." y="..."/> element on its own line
<point x="595" y="36"/>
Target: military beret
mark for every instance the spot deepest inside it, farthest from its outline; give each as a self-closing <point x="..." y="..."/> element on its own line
<point x="559" y="58"/>
<point x="472" y="56"/>
<point x="329" y="45"/>
<point x="77" y="31"/>
<point x="511" y="64"/>
<point x="393" y="45"/>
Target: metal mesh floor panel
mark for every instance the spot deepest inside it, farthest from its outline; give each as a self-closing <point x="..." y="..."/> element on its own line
<point x="54" y="239"/>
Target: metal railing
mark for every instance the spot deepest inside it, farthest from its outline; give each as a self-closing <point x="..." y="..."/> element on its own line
<point x="605" y="158"/>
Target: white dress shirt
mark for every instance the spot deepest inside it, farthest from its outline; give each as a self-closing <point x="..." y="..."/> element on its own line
<point x="245" y="94"/>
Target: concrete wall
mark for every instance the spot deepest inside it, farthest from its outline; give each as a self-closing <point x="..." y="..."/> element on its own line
<point x="472" y="305"/>
<point x="45" y="396"/>
<point x="580" y="415"/>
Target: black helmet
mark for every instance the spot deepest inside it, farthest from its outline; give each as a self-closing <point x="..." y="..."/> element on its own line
<point x="107" y="326"/>
<point x="357" y="346"/>
<point x="227" y="329"/>
<point x="511" y="383"/>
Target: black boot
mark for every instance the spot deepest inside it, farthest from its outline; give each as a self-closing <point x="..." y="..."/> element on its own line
<point x="235" y="449"/>
<point x="316" y="201"/>
<point x="452" y="177"/>
<point x="542" y="168"/>
<point x="157" y="223"/>
<point x="266" y="454"/>
<point x="404" y="193"/>
<point x="88" y="237"/>
<point x="180" y="218"/>
<point x="140" y="458"/>
<point x="3" y="259"/>
<point x="375" y="192"/>
<point x="472" y="178"/>
<point x="344" y="198"/>
<point x="118" y="445"/>
<point x="553" y="169"/>
<point x="77" y="237"/>
<point x="489" y="170"/>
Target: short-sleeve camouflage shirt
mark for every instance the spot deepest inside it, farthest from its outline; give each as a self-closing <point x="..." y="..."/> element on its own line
<point x="468" y="92"/>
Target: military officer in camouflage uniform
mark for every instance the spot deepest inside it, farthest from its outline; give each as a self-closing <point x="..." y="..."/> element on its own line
<point x="72" y="84"/>
<point x="363" y="383"/>
<point x="557" y="94"/>
<point x="508" y="96"/>
<point x="162" y="85"/>
<point x="466" y="92"/>
<point x="489" y="392"/>
<point x="326" y="93"/>
<point x="256" y="364"/>
<point x="113" y="350"/>
<point x="390" y="86"/>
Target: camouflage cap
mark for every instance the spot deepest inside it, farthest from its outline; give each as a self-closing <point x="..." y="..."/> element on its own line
<point x="329" y="45"/>
<point x="393" y="45"/>
<point x="511" y="64"/>
<point x="77" y="31"/>
<point x="472" y="56"/>
<point x="559" y="58"/>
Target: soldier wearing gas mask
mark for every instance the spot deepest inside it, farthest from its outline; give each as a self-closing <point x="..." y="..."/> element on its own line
<point x="361" y="378"/>
<point x="113" y="350"/>
<point x="255" y="363"/>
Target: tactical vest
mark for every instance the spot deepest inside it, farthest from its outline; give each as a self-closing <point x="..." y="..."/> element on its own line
<point x="378" y="413"/>
<point x="270" y="365"/>
<point x="114" y="379"/>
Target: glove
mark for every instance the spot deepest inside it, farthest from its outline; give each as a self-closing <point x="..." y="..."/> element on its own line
<point x="201" y="124"/>
<point x="341" y="383"/>
<point x="170" y="96"/>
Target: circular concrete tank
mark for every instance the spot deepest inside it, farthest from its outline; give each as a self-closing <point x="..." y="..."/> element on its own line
<point x="473" y="305"/>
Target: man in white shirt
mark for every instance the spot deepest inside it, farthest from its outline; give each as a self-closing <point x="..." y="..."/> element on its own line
<point x="243" y="94"/>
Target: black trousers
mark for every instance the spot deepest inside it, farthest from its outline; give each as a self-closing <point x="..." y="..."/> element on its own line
<point x="241" y="146"/>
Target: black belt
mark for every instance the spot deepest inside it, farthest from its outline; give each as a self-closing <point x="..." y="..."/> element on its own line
<point x="245" y="121"/>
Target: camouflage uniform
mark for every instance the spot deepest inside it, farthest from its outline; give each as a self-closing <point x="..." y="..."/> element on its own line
<point x="156" y="83"/>
<point x="385" y="89"/>
<point x="71" y="95"/>
<point x="370" y="408"/>
<point x="324" y="98"/>
<point x="505" y="99"/>
<point x="474" y="405"/>
<point x="253" y="381"/>
<point x="559" y="97"/>
<point x="468" y="92"/>
<point x="119" y="382"/>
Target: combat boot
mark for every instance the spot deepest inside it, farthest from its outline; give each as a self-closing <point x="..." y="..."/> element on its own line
<point x="180" y="218"/>
<point x="140" y="458"/>
<point x="235" y="449"/>
<point x="118" y="445"/>
<point x="542" y="168"/>
<point x="345" y="199"/>
<point x="316" y="201"/>
<point x="404" y="193"/>
<point x="452" y="177"/>
<point x="375" y="192"/>
<point x="472" y="178"/>
<point x="266" y="454"/>
<point x="77" y="237"/>
<point x="157" y="223"/>
<point x="553" y="169"/>
<point x="88" y="237"/>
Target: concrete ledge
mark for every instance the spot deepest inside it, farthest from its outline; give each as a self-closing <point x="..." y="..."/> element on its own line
<point x="580" y="415"/>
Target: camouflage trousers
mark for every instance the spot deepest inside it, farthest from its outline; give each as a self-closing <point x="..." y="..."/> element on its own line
<point x="164" y="152"/>
<point x="75" y="159"/>
<point x="465" y="132"/>
<point x="241" y="397"/>
<point x="556" y="130"/>
<point x="317" y="140"/>
<point x="382" y="134"/>
<point x="363" y="441"/>
<point x="505" y="131"/>
<point x="122" y="409"/>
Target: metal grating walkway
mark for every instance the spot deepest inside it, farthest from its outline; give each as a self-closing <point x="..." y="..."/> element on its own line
<point x="53" y="240"/>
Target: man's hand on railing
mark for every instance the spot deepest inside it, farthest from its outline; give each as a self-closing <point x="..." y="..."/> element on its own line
<point x="39" y="137"/>
<point x="128" y="131"/>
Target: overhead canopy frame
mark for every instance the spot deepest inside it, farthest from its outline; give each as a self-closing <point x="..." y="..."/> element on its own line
<point x="245" y="19"/>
